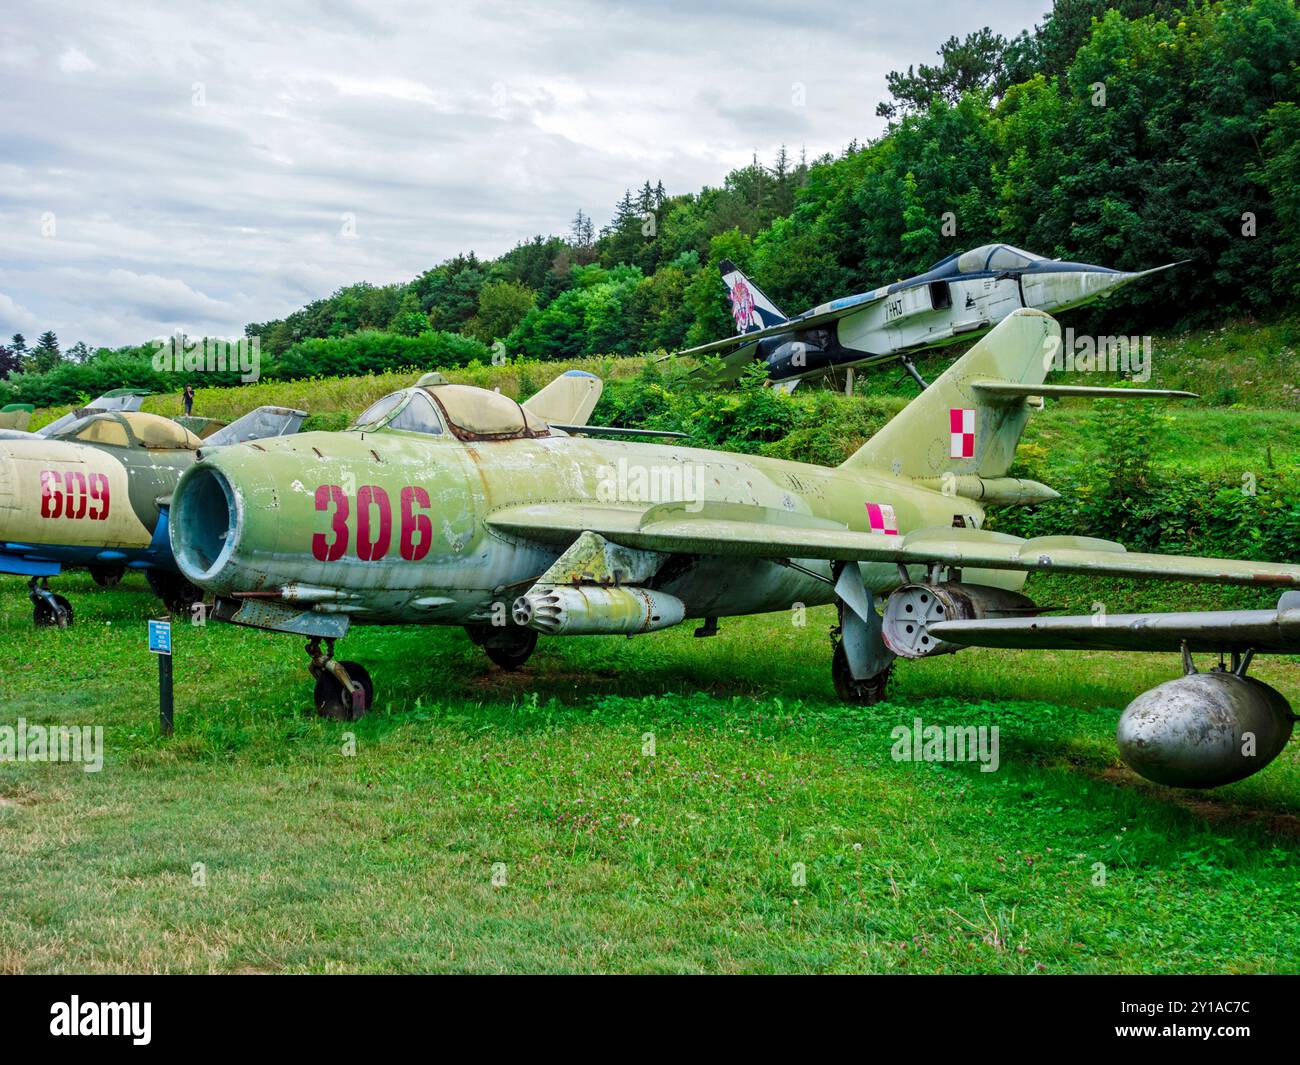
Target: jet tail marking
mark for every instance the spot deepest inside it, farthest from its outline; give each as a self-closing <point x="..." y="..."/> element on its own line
<point x="750" y="307"/>
<point x="959" y="425"/>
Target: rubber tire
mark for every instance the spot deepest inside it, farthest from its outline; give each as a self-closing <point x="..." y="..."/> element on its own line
<point x="174" y="590"/>
<point x="107" y="576"/>
<point x="511" y="654"/>
<point x="867" y="692"/>
<point x="46" y="617"/>
<point x="329" y="693"/>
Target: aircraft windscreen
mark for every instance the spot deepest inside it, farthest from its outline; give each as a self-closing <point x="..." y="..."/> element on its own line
<point x="418" y="416"/>
<point x="1008" y="258"/>
<point x="379" y="410"/>
<point x="100" y="430"/>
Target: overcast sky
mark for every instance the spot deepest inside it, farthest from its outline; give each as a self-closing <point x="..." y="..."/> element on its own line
<point x="195" y="165"/>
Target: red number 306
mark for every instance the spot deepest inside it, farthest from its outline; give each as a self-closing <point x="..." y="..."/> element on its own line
<point x="73" y="494"/>
<point x="374" y="524"/>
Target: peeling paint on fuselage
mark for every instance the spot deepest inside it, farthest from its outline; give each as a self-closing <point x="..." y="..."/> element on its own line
<point x="473" y="566"/>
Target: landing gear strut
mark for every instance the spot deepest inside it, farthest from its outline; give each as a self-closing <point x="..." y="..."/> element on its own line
<point x="344" y="690"/>
<point x="509" y="646"/>
<point x="860" y="663"/>
<point x="866" y="692"/>
<point x="48" y="608"/>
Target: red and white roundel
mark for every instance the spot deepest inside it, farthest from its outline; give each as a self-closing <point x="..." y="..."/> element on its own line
<point x="882" y="519"/>
<point x="961" y="425"/>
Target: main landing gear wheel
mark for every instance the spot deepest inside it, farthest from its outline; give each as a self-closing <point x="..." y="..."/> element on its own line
<point x="107" y="576"/>
<point x="509" y="646"/>
<point x="55" y="612"/>
<point x="344" y="690"/>
<point x="866" y="692"/>
<point x="174" y="590"/>
<point x="48" y="609"/>
<point x="332" y="700"/>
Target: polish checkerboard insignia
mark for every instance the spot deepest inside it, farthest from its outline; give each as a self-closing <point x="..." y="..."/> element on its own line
<point x="961" y="426"/>
<point x="882" y="519"/>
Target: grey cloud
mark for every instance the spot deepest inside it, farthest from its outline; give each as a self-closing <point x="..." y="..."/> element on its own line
<point x="442" y="130"/>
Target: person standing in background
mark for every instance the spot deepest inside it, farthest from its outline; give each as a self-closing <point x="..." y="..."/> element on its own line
<point x="187" y="397"/>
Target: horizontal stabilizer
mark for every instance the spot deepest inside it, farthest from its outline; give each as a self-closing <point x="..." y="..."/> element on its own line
<point x="808" y="320"/>
<point x="728" y="367"/>
<point x="1016" y="389"/>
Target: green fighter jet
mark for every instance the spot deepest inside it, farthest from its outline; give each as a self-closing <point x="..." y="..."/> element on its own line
<point x="94" y="488"/>
<point x="451" y="505"/>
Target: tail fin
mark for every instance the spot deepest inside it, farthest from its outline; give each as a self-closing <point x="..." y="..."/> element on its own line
<point x="954" y="427"/>
<point x="568" y="400"/>
<point x="749" y="306"/>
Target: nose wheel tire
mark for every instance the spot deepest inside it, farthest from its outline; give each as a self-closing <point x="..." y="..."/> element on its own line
<point x="865" y="692"/>
<point x="174" y="590"/>
<point x="53" y="612"/>
<point x="334" y="701"/>
<point x="107" y="576"/>
<point x="509" y="646"/>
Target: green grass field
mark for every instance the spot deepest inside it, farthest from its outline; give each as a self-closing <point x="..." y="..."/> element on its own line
<point x="374" y="846"/>
<point x="607" y="858"/>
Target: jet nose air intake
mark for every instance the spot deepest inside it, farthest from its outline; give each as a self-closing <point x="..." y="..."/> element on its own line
<point x="205" y="522"/>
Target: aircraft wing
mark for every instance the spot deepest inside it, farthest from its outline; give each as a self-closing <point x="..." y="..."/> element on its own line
<point x="817" y="317"/>
<point x="1276" y="631"/>
<point x="742" y="530"/>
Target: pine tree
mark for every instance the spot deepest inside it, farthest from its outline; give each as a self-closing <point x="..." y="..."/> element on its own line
<point x="645" y="201"/>
<point x="781" y="168"/>
<point x="46" y="354"/>
<point x="582" y="231"/>
<point x="624" y="212"/>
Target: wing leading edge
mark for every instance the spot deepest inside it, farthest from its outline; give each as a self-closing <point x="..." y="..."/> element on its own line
<point x="744" y="531"/>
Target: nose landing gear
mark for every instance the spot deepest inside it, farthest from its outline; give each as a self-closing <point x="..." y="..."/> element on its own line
<point x="48" y="609"/>
<point x="174" y="590"/>
<point x="344" y="690"/>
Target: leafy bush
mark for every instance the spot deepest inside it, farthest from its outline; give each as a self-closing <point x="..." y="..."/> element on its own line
<point x="371" y="351"/>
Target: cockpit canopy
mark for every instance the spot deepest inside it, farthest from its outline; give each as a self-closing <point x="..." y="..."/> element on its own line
<point x="130" y="429"/>
<point x="995" y="257"/>
<point x="469" y="413"/>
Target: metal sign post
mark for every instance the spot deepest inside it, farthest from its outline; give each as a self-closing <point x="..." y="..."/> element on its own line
<point x="160" y="643"/>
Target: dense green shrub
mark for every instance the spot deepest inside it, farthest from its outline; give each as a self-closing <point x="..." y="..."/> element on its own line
<point x="372" y="351"/>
